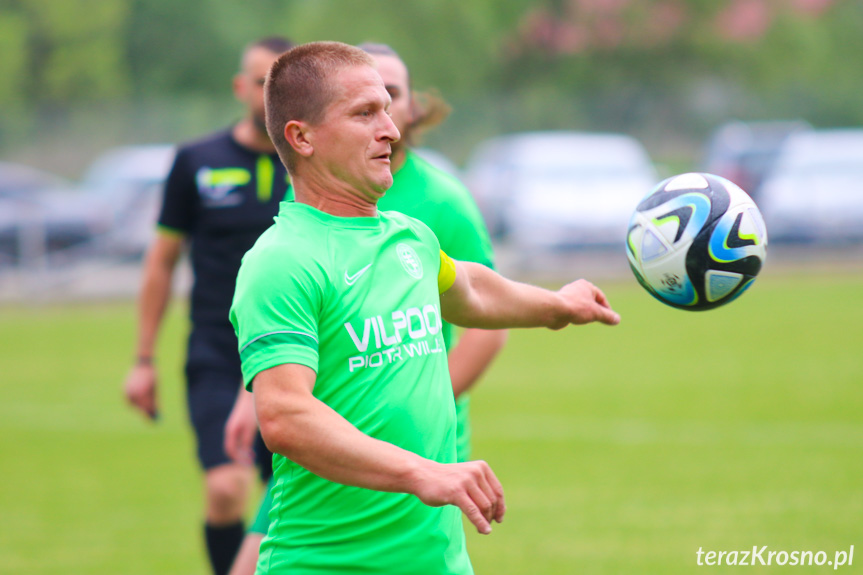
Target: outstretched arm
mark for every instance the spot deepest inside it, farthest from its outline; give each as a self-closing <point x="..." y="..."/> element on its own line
<point x="483" y="298"/>
<point x="305" y="430"/>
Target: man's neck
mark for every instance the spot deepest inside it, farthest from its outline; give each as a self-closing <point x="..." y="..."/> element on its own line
<point x="329" y="198"/>
<point x="248" y="135"/>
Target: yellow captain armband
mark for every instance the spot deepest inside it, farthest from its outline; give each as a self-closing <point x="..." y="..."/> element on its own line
<point x="446" y="277"/>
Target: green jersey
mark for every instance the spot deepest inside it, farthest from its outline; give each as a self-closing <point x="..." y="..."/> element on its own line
<point x="356" y="300"/>
<point x="444" y="204"/>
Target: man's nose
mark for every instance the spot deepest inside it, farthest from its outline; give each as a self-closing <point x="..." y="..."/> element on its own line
<point x="389" y="130"/>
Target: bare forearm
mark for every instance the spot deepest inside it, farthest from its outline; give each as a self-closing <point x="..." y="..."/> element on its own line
<point x="481" y="298"/>
<point x="319" y="439"/>
<point x="151" y="308"/>
<point x="472" y="355"/>
<point x="155" y="293"/>
<point x="240" y="429"/>
<point x="494" y="302"/>
<point x="297" y="425"/>
<point x="141" y="383"/>
<point x="313" y="435"/>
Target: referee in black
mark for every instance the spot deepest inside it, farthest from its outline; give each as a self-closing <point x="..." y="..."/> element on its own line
<point x="222" y="192"/>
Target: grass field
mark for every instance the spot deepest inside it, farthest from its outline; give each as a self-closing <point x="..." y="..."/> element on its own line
<point x="622" y="450"/>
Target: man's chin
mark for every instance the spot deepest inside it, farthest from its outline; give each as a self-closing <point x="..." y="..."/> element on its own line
<point x="384" y="184"/>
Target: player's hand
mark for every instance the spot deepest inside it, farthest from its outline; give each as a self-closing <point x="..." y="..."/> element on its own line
<point x="585" y="303"/>
<point x="471" y="486"/>
<point x="240" y="429"/>
<point x="140" y="390"/>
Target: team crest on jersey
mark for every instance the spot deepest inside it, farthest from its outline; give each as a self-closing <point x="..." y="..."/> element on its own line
<point x="410" y="260"/>
<point x="216" y="185"/>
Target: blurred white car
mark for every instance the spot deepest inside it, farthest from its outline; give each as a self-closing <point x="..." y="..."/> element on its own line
<point x="745" y="152"/>
<point x="39" y="213"/>
<point x="815" y="192"/>
<point x="560" y="189"/>
<point x="124" y="185"/>
<point x="20" y="181"/>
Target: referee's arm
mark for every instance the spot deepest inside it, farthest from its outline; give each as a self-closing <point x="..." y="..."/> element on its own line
<point x="158" y="273"/>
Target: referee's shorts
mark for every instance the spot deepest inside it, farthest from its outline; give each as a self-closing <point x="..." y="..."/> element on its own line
<point x="213" y="379"/>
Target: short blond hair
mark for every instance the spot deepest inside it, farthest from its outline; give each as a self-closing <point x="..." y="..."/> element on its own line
<point x="300" y="87"/>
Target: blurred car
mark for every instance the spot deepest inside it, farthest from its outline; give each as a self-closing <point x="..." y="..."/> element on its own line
<point x="39" y="213"/>
<point x="20" y="186"/>
<point x="559" y="189"/>
<point x="21" y="181"/>
<point x="745" y="152"/>
<point x="123" y="186"/>
<point x="815" y="192"/>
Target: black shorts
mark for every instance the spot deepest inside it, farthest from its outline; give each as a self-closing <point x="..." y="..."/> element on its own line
<point x="213" y="380"/>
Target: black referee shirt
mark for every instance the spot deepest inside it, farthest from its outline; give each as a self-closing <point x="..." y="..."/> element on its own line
<point x="221" y="196"/>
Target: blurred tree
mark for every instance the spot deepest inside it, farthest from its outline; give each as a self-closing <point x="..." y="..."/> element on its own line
<point x="641" y="66"/>
<point x="173" y="47"/>
<point x="13" y="64"/>
<point x="449" y="44"/>
<point x="13" y="70"/>
<point x="811" y="69"/>
<point x="635" y="63"/>
<point x="194" y="46"/>
<point x="76" y="50"/>
<point x="57" y="54"/>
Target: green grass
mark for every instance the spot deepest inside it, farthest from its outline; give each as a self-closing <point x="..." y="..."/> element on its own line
<point x="622" y="450"/>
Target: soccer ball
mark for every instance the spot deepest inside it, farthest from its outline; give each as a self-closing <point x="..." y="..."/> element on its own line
<point x="696" y="241"/>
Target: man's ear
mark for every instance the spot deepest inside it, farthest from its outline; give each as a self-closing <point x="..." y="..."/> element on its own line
<point x="238" y="87"/>
<point x="415" y="109"/>
<point x="297" y="135"/>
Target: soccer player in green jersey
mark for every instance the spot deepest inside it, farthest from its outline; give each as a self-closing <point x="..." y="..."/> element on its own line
<point x="338" y="312"/>
<point x="444" y="204"/>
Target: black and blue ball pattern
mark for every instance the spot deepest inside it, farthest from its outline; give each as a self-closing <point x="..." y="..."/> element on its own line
<point x="696" y="241"/>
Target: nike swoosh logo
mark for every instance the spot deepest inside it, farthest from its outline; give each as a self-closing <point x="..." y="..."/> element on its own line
<point x="351" y="280"/>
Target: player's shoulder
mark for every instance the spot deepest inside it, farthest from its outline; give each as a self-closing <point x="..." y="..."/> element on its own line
<point x="399" y="220"/>
<point x="447" y="180"/>
<point x="287" y="248"/>
<point x="439" y="182"/>
<point x="293" y="230"/>
<point x="395" y="219"/>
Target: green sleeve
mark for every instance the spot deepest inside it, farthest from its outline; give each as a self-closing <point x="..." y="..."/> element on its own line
<point x="275" y="310"/>
<point x="262" y="519"/>
<point x="462" y="232"/>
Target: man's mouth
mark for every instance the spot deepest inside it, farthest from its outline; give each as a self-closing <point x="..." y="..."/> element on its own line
<point x="383" y="156"/>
